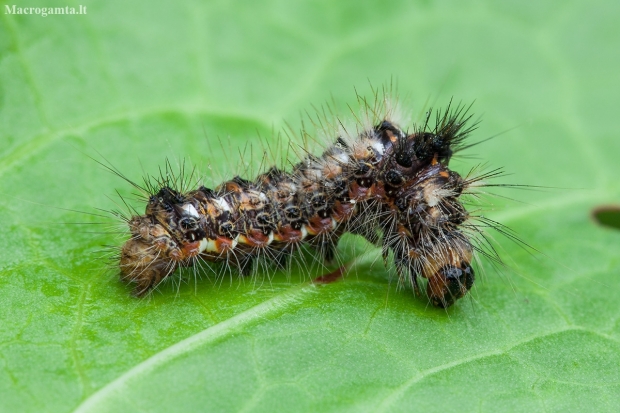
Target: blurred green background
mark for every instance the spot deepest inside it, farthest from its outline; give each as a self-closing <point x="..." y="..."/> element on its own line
<point x="138" y="83"/>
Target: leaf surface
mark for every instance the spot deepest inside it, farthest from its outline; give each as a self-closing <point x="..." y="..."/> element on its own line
<point x="134" y="84"/>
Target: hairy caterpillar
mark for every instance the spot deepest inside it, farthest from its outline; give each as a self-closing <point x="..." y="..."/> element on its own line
<point x="387" y="184"/>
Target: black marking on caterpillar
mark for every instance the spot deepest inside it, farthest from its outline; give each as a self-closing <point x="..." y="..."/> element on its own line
<point x="390" y="185"/>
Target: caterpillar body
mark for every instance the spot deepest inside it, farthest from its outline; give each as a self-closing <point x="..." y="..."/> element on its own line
<point x="387" y="184"/>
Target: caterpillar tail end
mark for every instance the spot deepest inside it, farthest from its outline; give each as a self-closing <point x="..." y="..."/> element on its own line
<point x="142" y="266"/>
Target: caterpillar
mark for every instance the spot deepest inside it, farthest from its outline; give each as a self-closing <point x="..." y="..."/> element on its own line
<point x="390" y="185"/>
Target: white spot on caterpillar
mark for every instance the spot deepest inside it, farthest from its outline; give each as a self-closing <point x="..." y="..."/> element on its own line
<point x="189" y="208"/>
<point x="204" y="243"/>
<point x="378" y="146"/>
<point x="342" y="157"/>
<point x="222" y="204"/>
<point x="431" y="198"/>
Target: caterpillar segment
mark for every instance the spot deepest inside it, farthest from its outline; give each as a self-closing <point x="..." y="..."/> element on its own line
<point x="392" y="187"/>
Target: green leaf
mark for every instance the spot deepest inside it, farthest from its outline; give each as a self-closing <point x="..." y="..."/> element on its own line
<point x="134" y="84"/>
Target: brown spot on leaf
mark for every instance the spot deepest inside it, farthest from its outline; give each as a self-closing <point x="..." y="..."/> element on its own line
<point x="607" y="216"/>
